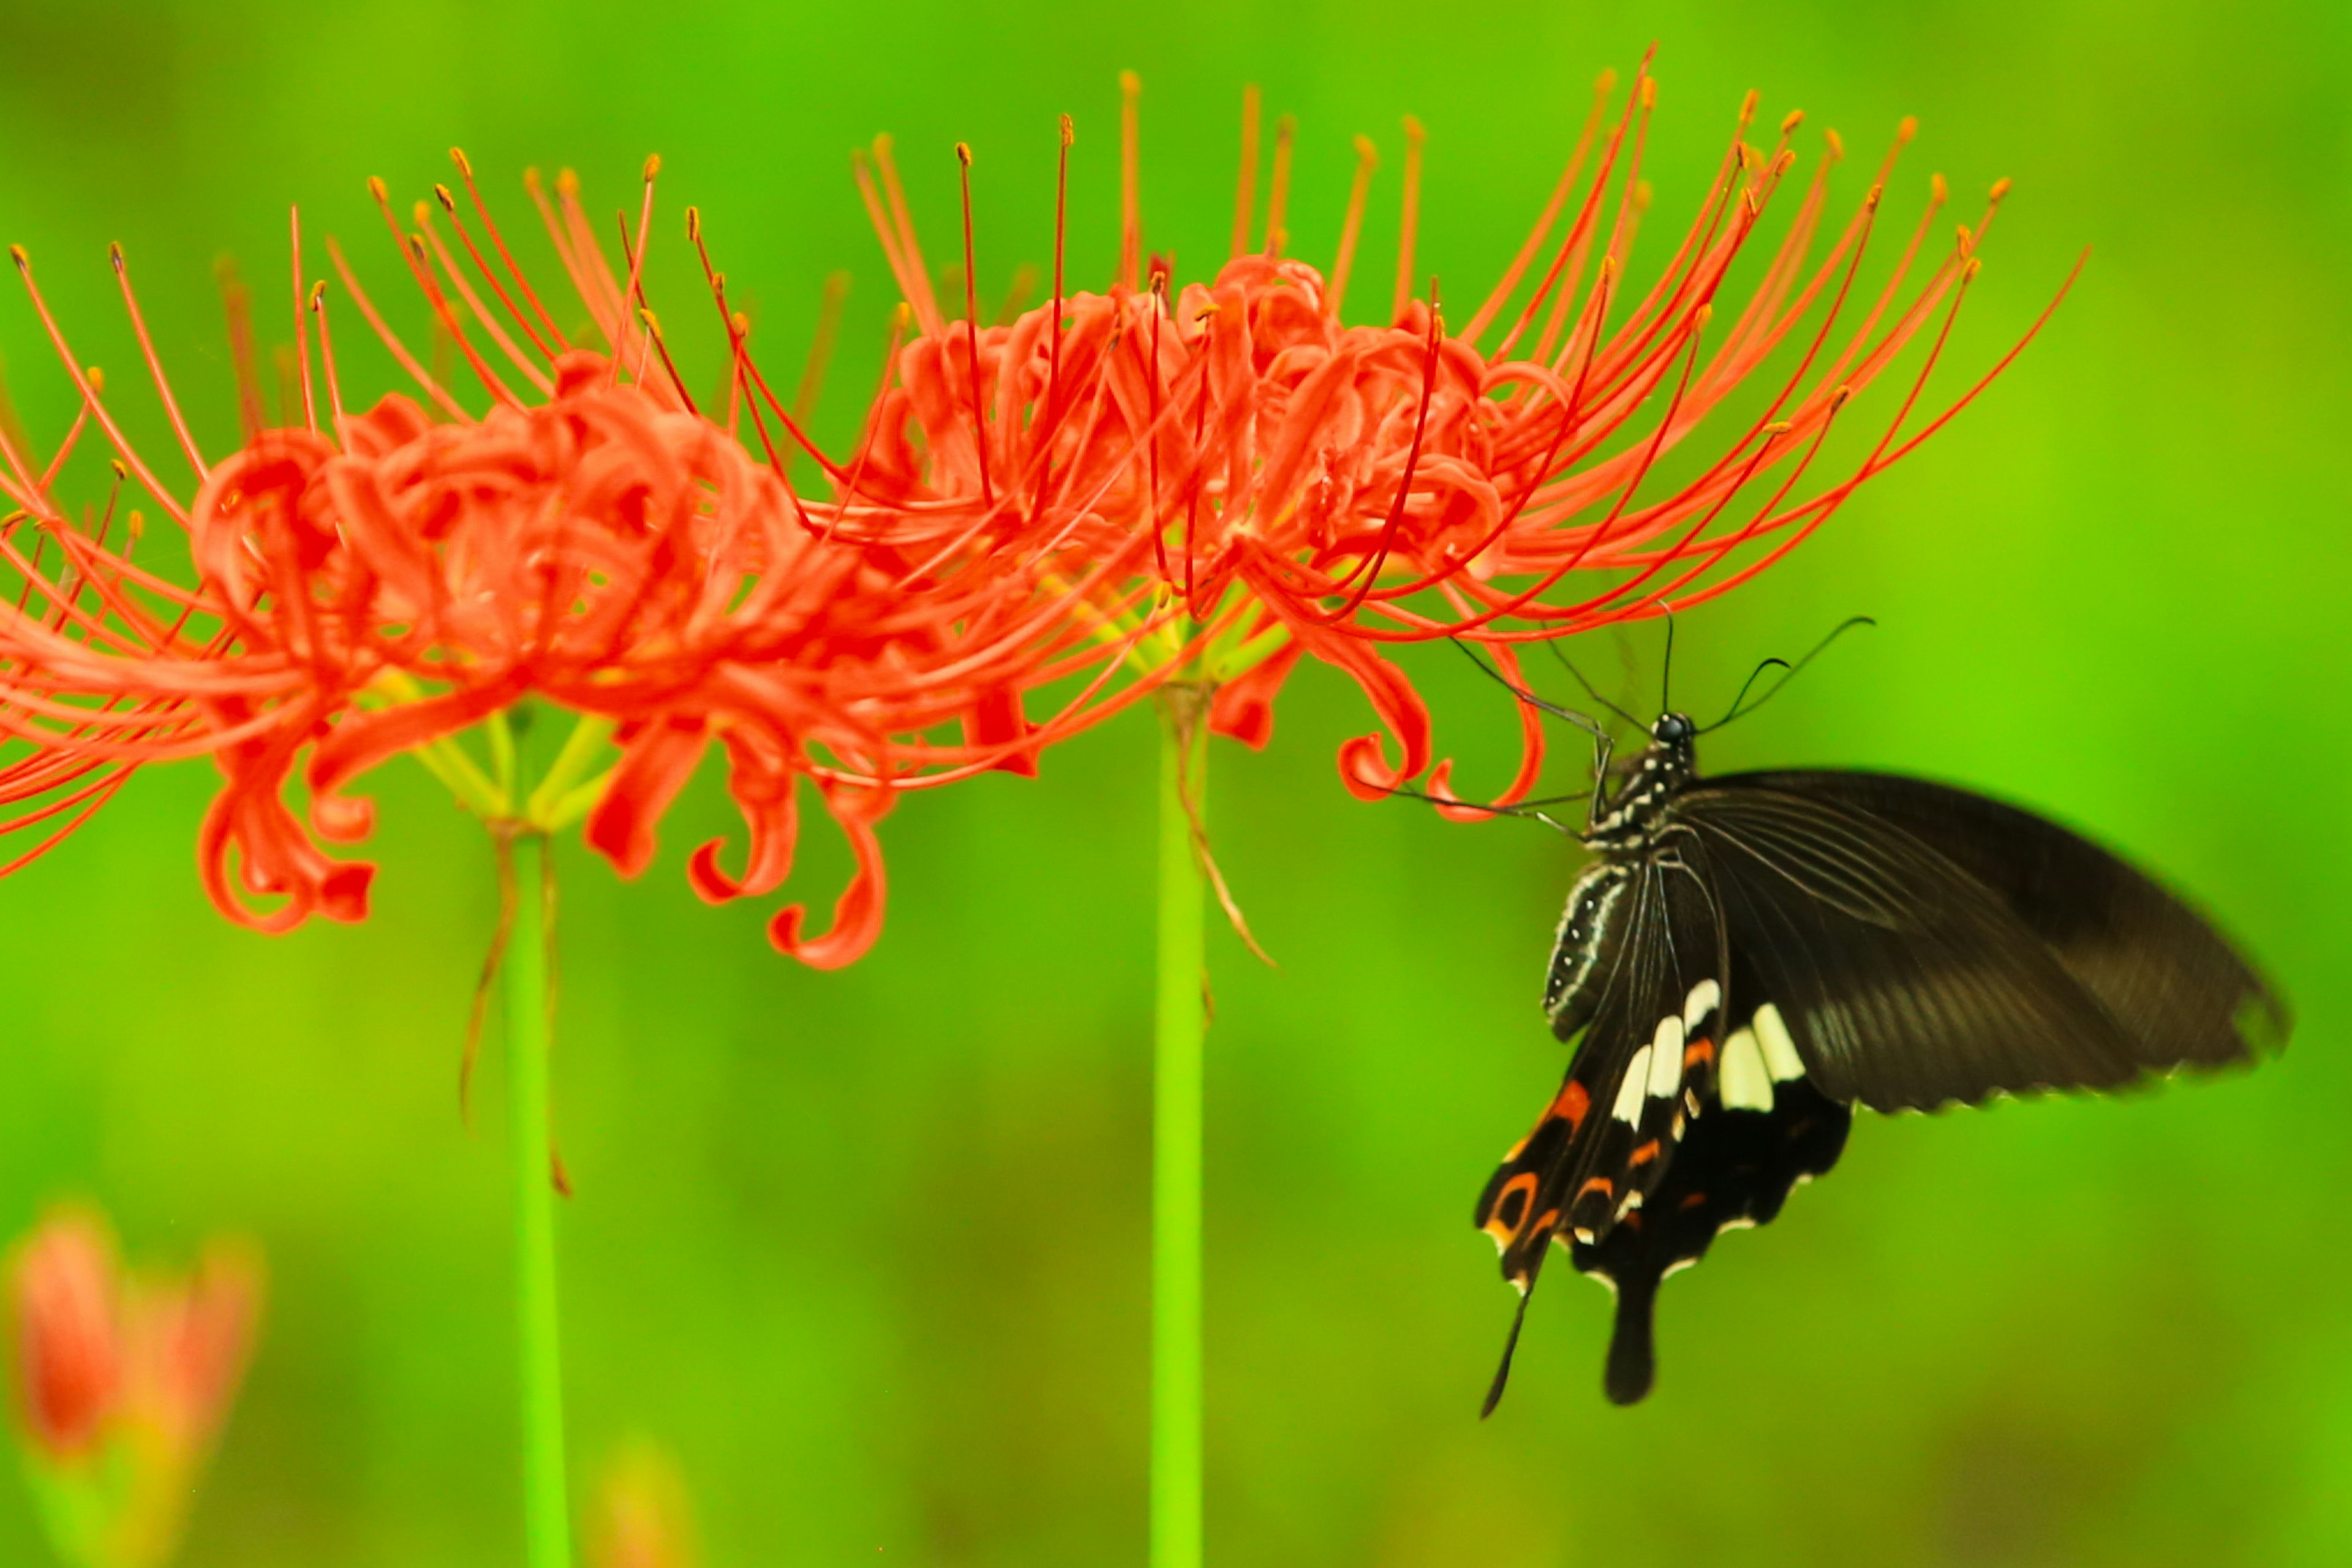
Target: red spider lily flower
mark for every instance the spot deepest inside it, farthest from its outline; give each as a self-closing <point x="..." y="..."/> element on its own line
<point x="123" y="1383"/>
<point x="1308" y="487"/>
<point x="367" y="584"/>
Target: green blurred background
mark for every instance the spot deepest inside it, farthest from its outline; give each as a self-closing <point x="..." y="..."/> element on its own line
<point x="866" y="1250"/>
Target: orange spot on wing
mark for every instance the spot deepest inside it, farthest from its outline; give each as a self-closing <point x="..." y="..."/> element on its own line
<point x="1645" y="1154"/>
<point x="1698" y="1053"/>
<point x="1693" y="1201"/>
<point x="1601" y="1185"/>
<point x="1570" y="1104"/>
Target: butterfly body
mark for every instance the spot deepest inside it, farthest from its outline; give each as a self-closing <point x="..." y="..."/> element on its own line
<point x="1748" y="958"/>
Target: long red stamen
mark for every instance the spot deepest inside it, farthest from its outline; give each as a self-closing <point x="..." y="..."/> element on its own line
<point x="1277" y="195"/>
<point x="1131" y="217"/>
<point x="1411" y="219"/>
<point x="972" y="326"/>
<point x="1245" y="187"/>
<point x="1368" y="158"/>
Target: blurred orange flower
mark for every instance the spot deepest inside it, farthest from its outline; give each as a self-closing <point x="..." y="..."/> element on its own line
<point x="122" y="1383"/>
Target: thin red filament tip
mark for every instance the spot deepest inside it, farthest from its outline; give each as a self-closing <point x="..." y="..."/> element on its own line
<point x="327" y="356"/>
<point x="1277" y="197"/>
<point x="237" y="303"/>
<point x="301" y="325"/>
<point x="1412" y="139"/>
<point x="972" y="326"/>
<point x="1130" y="215"/>
<point x="1245" y="188"/>
<point x="819" y="355"/>
<point x="1368" y="158"/>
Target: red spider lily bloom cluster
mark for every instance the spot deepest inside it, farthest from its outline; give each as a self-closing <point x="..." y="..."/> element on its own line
<point x="373" y="584"/>
<point x="1310" y="487"/>
<point x="122" y="1383"/>
<point x="1201" y="484"/>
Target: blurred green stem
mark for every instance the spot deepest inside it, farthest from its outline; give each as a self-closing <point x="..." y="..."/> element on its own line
<point x="1181" y="1021"/>
<point x="547" y="1518"/>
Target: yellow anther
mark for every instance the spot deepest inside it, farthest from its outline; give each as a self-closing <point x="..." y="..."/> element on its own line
<point x="1129" y="83"/>
<point x="694" y="224"/>
<point x="318" y="293"/>
<point x="1877" y="194"/>
<point x="138" y="523"/>
<point x="24" y="262"/>
<point x="1938" y="191"/>
<point x="568" y="181"/>
<point x="652" y="166"/>
<point x="1069" y="130"/>
<point x="457" y="156"/>
<point x="120" y="473"/>
<point x="1836" y="143"/>
<point x="1999" y="188"/>
<point x="1967" y="240"/>
<point x="1648" y="92"/>
<point x="530" y="180"/>
<point x="963" y="153"/>
<point x="1790" y="121"/>
<point x="652" y="321"/>
<point x="421" y="213"/>
<point x="1704" y="314"/>
<point x="1747" y="107"/>
<point x="1969" y="273"/>
<point x="1778" y="428"/>
<point x="1838" y="397"/>
<point x="448" y="203"/>
<point x="1413" y="131"/>
<point x="742" y="323"/>
<point x="114" y="254"/>
<point x="97" y="379"/>
<point x="1606" y="81"/>
<point x="1642" y="194"/>
<point x="378" y="189"/>
<point x="1907" y="128"/>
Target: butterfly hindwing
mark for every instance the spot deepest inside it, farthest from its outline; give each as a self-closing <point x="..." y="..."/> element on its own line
<point x="1761" y="1130"/>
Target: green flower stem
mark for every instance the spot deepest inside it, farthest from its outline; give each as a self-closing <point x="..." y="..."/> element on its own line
<point x="547" y="1517"/>
<point x="1180" y="1022"/>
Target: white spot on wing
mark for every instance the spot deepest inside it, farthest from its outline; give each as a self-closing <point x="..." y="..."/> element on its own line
<point x="1704" y="998"/>
<point x="1667" y="1058"/>
<point x="1779" y="1051"/>
<point x="1741" y="1082"/>
<point x="1628" y="1109"/>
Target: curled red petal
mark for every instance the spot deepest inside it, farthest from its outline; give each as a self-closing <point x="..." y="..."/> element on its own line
<point x="1531" y="750"/>
<point x="1243" y="708"/>
<point x="1363" y="762"/>
<point x="658" y="756"/>
<point x="763" y="783"/>
<point x="857" y="914"/>
<point x="996" y="719"/>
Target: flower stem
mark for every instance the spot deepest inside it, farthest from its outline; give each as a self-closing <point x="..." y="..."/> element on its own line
<point x="1180" y="1022"/>
<point x="547" y="1517"/>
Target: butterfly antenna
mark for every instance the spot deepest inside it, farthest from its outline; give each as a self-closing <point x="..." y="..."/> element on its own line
<point x="1510" y="1348"/>
<point x="1788" y="673"/>
<point x="1583" y="721"/>
<point x="1590" y="690"/>
<point x="1667" y="666"/>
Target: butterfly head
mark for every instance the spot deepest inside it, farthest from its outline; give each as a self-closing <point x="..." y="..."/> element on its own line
<point x="1674" y="730"/>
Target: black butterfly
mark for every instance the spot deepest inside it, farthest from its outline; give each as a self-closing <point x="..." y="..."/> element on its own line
<point x="1749" y="957"/>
